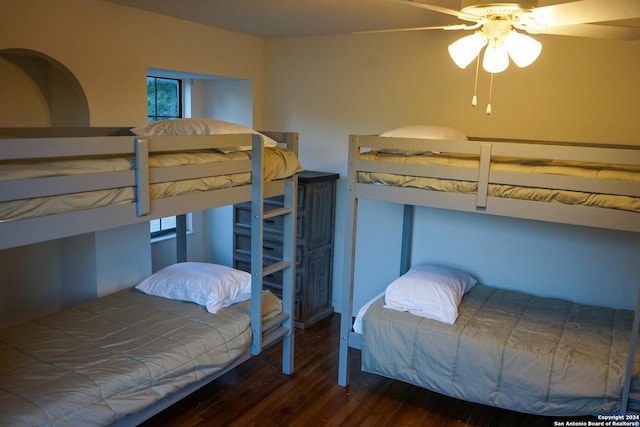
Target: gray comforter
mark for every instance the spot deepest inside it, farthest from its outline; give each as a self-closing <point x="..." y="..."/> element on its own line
<point x="95" y="363"/>
<point x="507" y="349"/>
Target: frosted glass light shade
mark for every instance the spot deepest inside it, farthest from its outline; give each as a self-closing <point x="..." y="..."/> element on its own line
<point x="496" y="58"/>
<point x="522" y="49"/>
<point x="466" y="49"/>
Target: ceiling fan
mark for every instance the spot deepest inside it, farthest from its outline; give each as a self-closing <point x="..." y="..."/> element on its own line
<point x="585" y="18"/>
<point x="500" y="26"/>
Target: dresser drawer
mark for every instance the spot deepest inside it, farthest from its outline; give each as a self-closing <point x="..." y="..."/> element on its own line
<point x="271" y="245"/>
<point x="273" y="281"/>
<point x="271" y="225"/>
<point x="275" y="225"/>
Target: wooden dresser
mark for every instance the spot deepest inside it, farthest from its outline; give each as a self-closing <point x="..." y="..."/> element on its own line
<point x="314" y="256"/>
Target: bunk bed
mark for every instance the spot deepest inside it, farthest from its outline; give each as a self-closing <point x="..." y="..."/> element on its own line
<point x="547" y="356"/>
<point x="123" y="357"/>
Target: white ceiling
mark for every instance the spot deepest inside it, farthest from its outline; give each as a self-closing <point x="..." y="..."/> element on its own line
<point x="284" y="18"/>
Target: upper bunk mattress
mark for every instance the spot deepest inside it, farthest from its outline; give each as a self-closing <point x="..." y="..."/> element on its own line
<point x="279" y="163"/>
<point x="627" y="173"/>
<point x="97" y="362"/>
<point x="507" y="349"/>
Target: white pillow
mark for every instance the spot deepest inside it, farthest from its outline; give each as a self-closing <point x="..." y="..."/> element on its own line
<point x="424" y="132"/>
<point x="429" y="291"/>
<point x="210" y="285"/>
<point x="199" y="126"/>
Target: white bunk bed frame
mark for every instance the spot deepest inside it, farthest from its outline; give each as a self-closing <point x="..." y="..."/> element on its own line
<point x="21" y="232"/>
<point x="482" y="203"/>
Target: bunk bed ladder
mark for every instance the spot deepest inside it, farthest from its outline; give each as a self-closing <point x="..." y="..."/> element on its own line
<point x="284" y="325"/>
<point x="627" y="395"/>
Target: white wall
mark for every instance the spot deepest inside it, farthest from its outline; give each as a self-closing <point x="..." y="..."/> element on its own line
<point x="20" y="270"/>
<point x="41" y="278"/>
<point x="230" y="100"/>
<point x="19" y="93"/>
<point x="579" y="89"/>
<point x="122" y="257"/>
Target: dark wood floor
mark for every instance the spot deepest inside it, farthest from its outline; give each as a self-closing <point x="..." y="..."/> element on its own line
<point x="258" y="394"/>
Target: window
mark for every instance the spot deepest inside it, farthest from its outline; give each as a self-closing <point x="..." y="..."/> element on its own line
<point x="162" y="226"/>
<point x="164" y="101"/>
<point x="164" y="98"/>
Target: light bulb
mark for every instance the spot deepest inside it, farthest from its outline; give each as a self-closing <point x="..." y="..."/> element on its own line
<point x="496" y="57"/>
<point x="466" y="49"/>
<point x="522" y="49"/>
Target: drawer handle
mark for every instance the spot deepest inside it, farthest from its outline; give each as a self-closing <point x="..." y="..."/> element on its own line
<point x="268" y="248"/>
<point x="270" y="221"/>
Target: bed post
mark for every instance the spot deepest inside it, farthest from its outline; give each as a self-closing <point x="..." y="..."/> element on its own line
<point x="289" y="276"/>
<point x="257" y="232"/>
<point x="407" y="233"/>
<point x="289" y="253"/>
<point x="483" y="176"/>
<point x="181" y="238"/>
<point x="346" y="313"/>
<point x="143" y="203"/>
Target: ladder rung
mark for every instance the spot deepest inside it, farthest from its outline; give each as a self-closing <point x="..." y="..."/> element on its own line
<point x="272" y="323"/>
<point x="274" y="329"/>
<point x="274" y="336"/>
<point x="276" y="212"/>
<point x="278" y="266"/>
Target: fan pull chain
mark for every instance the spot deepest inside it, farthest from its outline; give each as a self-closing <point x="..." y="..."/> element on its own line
<point x="490" y="93"/>
<point x="474" y="100"/>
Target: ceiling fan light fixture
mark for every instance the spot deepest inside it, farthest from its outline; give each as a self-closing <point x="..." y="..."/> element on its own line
<point x="496" y="57"/>
<point x="523" y="50"/>
<point x="466" y="49"/>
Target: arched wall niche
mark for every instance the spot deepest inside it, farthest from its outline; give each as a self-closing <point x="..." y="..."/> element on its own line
<point x="55" y="98"/>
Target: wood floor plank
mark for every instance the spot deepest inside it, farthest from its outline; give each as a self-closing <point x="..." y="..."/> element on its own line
<point x="256" y="393"/>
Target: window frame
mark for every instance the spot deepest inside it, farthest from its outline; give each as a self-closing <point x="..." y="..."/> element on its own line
<point x="156" y="117"/>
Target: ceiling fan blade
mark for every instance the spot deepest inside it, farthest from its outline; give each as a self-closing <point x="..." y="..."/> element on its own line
<point x="440" y="27"/>
<point x="586" y="12"/>
<point x="595" y="31"/>
<point x="458" y="14"/>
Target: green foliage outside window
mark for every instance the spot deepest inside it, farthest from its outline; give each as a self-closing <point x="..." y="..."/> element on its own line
<point x="163" y="98"/>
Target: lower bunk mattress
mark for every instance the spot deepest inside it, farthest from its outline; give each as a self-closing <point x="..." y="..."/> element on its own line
<point x="507" y="349"/>
<point x="98" y="362"/>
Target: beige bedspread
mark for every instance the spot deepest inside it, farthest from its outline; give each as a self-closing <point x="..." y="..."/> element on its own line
<point x="555" y="167"/>
<point x="507" y="349"/>
<point x="278" y="163"/>
<point x="97" y="362"/>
